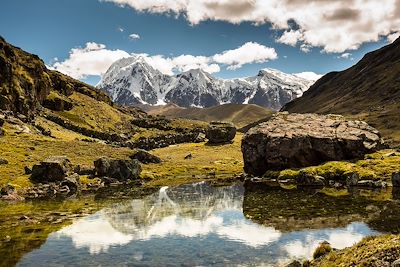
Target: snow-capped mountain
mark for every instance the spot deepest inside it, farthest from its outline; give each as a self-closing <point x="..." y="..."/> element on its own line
<point x="132" y="81"/>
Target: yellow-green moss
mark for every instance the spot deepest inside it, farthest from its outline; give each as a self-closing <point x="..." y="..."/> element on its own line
<point x="368" y="252"/>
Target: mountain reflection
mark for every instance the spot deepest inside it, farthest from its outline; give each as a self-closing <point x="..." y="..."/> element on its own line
<point x="195" y="212"/>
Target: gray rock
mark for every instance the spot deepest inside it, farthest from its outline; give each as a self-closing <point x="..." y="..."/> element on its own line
<point x="27" y="170"/>
<point x="7" y="190"/>
<point x="73" y="183"/>
<point x="84" y="170"/>
<point x="220" y="132"/>
<point x="352" y="179"/>
<point x="396" y="263"/>
<point x="371" y="184"/>
<point x="52" y="169"/>
<point x="301" y="140"/>
<point x="117" y="168"/>
<point x="305" y="179"/>
<point x="189" y="156"/>
<point x="145" y="157"/>
<point x="396" y="179"/>
<point x="3" y="161"/>
<point x="201" y="137"/>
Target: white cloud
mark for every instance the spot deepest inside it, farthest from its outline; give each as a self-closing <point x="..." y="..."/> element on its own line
<point x="120" y="29"/>
<point x="248" y="53"/>
<point x="93" y="59"/>
<point x="345" y="55"/>
<point x="336" y="26"/>
<point x="290" y="37"/>
<point x="306" y="48"/>
<point x="308" y="75"/>
<point x="392" y="37"/>
<point x="134" y="36"/>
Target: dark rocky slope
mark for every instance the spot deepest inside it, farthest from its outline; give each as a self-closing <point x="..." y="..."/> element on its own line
<point x="26" y="83"/>
<point x="369" y="90"/>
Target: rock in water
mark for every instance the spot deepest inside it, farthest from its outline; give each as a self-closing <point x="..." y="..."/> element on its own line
<point x="52" y="169"/>
<point x="220" y="132"/>
<point x="117" y="168"/>
<point x="301" y="140"/>
<point x="145" y="157"/>
<point x="73" y="182"/>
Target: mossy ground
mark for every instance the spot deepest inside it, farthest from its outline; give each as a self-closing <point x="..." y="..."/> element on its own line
<point x="207" y="162"/>
<point x="28" y="149"/>
<point x="376" y="166"/>
<point x="371" y="251"/>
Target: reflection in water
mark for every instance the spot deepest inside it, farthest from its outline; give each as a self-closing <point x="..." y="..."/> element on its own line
<point x="193" y="225"/>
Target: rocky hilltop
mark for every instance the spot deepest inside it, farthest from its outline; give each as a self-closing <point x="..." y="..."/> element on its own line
<point x="132" y="81"/>
<point x="370" y="90"/>
<point x="26" y="83"/>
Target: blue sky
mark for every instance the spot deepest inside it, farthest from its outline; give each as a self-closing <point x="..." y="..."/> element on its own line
<point x="51" y="28"/>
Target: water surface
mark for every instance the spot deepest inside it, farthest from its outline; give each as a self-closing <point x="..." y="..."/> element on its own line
<point x="201" y="225"/>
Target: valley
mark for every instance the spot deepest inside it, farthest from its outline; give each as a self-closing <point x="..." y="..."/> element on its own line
<point x="215" y="157"/>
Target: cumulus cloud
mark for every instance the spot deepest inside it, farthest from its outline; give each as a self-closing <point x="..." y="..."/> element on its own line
<point x="250" y="52"/>
<point x="308" y="75"/>
<point x="95" y="59"/>
<point x="345" y="55"/>
<point x="134" y="36"/>
<point x="335" y="26"/>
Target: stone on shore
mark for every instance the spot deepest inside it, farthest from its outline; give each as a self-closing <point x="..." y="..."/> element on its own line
<point x="52" y="169"/>
<point x="301" y="140"/>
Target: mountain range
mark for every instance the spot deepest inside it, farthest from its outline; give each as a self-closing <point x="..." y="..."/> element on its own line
<point x="132" y="81"/>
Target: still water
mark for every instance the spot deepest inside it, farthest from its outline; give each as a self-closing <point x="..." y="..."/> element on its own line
<point x="199" y="225"/>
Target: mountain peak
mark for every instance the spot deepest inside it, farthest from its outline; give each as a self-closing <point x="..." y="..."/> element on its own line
<point x="134" y="79"/>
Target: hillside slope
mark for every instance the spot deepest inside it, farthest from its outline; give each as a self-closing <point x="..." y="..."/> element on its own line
<point x="369" y="90"/>
<point x="238" y="114"/>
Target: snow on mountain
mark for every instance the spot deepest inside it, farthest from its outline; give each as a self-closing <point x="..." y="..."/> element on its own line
<point x="132" y="81"/>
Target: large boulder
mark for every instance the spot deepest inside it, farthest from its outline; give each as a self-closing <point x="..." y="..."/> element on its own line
<point x="52" y="169"/>
<point x="117" y="168"/>
<point x="220" y="132"/>
<point x="301" y="140"/>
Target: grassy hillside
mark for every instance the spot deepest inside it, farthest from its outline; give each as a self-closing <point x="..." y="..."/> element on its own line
<point x="370" y="90"/>
<point x="238" y="114"/>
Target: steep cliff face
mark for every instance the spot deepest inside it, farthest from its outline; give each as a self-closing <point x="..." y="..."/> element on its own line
<point x="25" y="82"/>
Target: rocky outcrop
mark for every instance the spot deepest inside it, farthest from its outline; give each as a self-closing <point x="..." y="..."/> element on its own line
<point x="220" y="132"/>
<point x="57" y="102"/>
<point x="119" y="169"/>
<point x="145" y="157"/>
<point x="52" y="169"/>
<point x="300" y="140"/>
<point x="26" y="83"/>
